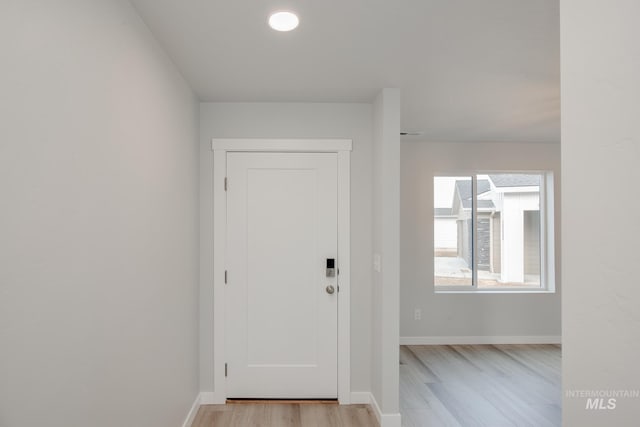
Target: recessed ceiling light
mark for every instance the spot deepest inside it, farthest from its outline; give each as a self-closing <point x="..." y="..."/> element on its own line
<point x="283" y="21"/>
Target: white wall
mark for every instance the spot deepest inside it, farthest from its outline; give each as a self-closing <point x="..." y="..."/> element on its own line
<point x="291" y="120"/>
<point x="98" y="221"/>
<point x="600" y="158"/>
<point x="386" y="245"/>
<point x="464" y="314"/>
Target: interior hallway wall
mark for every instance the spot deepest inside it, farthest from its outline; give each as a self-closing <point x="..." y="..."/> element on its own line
<point x="600" y="158"/>
<point x="475" y="315"/>
<point x="98" y="220"/>
<point x="386" y="252"/>
<point x="294" y="120"/>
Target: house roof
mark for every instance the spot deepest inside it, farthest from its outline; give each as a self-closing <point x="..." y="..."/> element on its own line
<point x="514" y="180"/>
<point x="464" y="192"/>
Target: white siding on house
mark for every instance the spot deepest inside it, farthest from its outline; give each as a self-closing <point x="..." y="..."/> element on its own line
<point x="445" y="233"/>
<point x="513" y="236"/>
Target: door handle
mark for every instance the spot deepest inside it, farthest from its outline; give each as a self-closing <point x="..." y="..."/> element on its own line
<point x="330" y="289"/>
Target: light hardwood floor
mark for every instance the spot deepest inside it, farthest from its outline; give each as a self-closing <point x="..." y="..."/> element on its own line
<point x="285" y="415"/>
<point x="480" y="385"/>
<point x="440" y="386"/>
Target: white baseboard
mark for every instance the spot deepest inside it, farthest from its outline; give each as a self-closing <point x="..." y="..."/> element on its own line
<point x="192" y="412"/>
<point x="385" y="420"/>
<point x="203" y="398"/>
<point x="481" y="339"/>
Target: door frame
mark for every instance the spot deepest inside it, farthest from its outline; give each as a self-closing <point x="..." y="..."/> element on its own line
<point x="342" y="147"/>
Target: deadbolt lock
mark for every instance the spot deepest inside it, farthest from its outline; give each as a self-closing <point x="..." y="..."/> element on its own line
<point x="331" y="267"/>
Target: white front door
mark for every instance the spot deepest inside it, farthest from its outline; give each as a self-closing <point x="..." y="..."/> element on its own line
<point x="281" y="308"/>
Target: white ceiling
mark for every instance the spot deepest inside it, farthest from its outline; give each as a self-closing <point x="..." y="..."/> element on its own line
<point x="469" y="70"/>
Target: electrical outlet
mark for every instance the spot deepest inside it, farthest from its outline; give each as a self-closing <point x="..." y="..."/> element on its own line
<point x="417" y="314"/>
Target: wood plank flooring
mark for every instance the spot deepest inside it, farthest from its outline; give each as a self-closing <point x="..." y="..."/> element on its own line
<point x="440" y="386"/>
<point x="285" y="415"/>
<point x="480" y="385"/>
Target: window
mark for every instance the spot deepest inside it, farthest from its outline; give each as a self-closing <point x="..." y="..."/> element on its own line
<point x="493" y="232"/>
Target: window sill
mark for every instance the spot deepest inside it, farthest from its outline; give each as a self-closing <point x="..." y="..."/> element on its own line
<point x="494" y="291"/>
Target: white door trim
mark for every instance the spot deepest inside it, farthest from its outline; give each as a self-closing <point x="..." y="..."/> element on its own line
<point x="299" y="145"/>
<point x="220" y="149"/>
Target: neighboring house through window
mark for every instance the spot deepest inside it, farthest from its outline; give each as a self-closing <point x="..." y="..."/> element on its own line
<point x="493" y="232"/>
